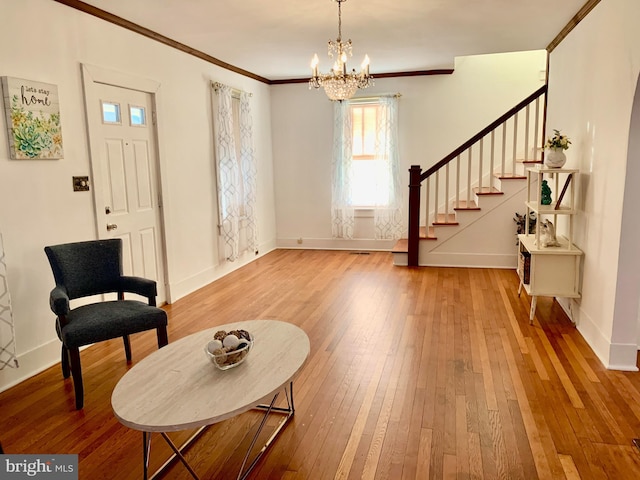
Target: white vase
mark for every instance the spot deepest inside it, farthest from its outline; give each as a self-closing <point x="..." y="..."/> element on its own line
<point x="555" y="158"/>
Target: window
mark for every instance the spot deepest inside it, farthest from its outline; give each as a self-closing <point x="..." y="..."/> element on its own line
<point x="364" y="131"/>
<point x="365" y="168"/>
<point x="369" y="172"/>
<point x="235" y="114"/>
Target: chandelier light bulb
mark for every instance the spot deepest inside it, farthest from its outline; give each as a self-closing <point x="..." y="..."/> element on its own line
<point x="365" y="64"/>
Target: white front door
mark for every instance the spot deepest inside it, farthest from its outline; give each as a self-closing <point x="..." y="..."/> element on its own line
<point x="125" y="178"/>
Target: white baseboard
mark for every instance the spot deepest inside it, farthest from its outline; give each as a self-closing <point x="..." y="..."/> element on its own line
<point x="468" y="260"/>
<point x="335" y="244"/>
<point x="189" y="285"/>
<point x="623" y="357"/>
<point x="614" y="356"/>
<point x="622" y="368"/>
<point x="30" y="364"/>
<point x="461" y="260"/>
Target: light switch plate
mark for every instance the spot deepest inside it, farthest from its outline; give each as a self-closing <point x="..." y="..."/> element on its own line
<point x="80" y="184"/>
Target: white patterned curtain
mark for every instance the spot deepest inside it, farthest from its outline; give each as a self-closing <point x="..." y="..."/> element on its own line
<point x="7" y="333"/>
<point x="249" y="172"/>
<point x="342" y="221"/>
<point x="237" y="171"/>
<point x="388" y="216"/>
<point x="228" y="174"/>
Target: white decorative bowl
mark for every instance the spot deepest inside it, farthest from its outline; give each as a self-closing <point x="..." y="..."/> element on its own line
<point x="230" y="359"/>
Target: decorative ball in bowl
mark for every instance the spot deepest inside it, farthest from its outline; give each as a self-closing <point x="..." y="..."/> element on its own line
<point x="229" y="349"/>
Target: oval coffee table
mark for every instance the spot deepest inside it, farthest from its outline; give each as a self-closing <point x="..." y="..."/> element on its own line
<point x="177" y="387"/>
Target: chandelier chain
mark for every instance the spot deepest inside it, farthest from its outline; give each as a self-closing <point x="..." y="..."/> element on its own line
<point x="340" y="20"/>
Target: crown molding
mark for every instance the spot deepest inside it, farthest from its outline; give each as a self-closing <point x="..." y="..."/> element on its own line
<point x="134" y="27"/>
<point x="416" y="73"/>
<point x="577" y="18"/>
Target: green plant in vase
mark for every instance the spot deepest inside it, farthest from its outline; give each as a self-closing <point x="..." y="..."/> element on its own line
<point x="555" y="147"/>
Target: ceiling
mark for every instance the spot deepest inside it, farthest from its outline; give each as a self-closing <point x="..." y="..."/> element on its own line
<point x="276" y="40"/>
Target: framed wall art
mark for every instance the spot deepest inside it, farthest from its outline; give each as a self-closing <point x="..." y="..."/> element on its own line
<point x="33" y="119"/>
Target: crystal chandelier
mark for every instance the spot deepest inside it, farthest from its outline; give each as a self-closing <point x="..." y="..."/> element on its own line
<point x="340" y="84"/>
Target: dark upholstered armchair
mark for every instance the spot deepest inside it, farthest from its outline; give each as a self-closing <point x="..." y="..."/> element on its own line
<point x="91" y="268"/>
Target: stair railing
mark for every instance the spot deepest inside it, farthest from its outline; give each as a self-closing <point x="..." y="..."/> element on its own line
<point x="471" y="171"/>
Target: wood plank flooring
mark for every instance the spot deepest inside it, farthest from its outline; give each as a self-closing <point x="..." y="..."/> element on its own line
<point x="414" y="373"/>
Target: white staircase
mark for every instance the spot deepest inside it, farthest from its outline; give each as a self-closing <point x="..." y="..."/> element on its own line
<point x="483" y="235"/>
<point x="461" y="209"/>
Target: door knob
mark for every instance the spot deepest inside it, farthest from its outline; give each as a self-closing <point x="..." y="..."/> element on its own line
<point x="111" y="226"/>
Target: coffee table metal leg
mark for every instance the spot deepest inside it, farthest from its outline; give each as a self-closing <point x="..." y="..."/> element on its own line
<point x="146" y="451"/>
<point x="177" y="451"/>
<point x="289" y="410"/>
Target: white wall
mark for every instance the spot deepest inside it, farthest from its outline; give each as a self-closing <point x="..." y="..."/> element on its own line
<point x="45" y="41"/>
<point x="628" y="291"/>
<point x="436" y="115"/>
<point x="593" y="77"/>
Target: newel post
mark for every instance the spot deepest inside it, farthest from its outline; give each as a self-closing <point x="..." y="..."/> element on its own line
<point x="414" y="214"/>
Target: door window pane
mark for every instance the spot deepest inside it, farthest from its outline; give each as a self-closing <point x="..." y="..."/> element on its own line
<point x="110" y="112"/>
<point x="138" y="116"/>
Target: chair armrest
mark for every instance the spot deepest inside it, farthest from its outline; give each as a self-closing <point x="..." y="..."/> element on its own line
<point x="59" y="301"/>
<point x="138" y="285"/>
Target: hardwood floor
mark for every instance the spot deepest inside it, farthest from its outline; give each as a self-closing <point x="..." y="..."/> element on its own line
<point x="413" y="374"/>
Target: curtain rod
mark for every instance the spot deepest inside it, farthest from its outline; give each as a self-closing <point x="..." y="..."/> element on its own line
<point x="375" y="97"/>
<point x="234" y="91"/>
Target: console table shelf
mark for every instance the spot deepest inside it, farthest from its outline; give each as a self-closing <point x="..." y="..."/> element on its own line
<point x="549" y="271"/>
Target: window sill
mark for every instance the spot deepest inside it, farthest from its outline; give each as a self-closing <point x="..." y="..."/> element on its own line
<point x="364" y="212"/>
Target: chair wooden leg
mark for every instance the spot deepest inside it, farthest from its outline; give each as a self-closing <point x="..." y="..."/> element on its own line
<point x="76" y="372"/>
<point x="163" y="338"/>
<point x="64" y="361"/>
<point x="127" y="347"/>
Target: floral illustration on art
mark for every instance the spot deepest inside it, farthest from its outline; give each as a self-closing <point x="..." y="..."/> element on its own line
<point x="34" y="119"/>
